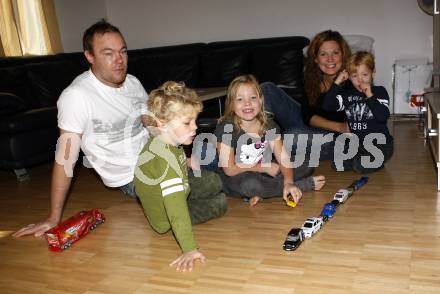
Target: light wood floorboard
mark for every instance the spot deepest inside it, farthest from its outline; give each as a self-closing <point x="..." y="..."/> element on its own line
<point x="385" y="239"/>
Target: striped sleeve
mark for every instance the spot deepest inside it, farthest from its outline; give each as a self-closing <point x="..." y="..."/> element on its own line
<point x="378" y="104"/>
<point x="175" y="192"/>
<point x="172" y="186"/>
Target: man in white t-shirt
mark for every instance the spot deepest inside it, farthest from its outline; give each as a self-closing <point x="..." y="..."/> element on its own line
<point x="115" y="131"/>
<point x="101" y="113"/>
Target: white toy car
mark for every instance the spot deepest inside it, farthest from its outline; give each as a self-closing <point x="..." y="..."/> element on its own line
<point x="311" y="226"/>
<point x="342" y="195"/>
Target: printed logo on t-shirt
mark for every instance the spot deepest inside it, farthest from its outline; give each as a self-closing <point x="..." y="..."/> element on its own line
<point x="252" y="153"/>
<point x="117" y="131"/>
<point x="108" y="133"/>
<point x="358" y="113"/>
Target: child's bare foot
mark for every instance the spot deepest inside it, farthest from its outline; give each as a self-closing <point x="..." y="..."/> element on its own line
<point x="319" y="182"/>
<point x="254" y="200"/>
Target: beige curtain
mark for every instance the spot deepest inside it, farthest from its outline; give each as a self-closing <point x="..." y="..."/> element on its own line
<point x="53" y="37"/>
<point x="8" y="30"/>
<point x="2" y="52"/>
<point x="36" y="27"/>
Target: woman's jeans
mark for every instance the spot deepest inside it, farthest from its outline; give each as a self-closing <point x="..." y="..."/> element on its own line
<point x="300" y="140"/>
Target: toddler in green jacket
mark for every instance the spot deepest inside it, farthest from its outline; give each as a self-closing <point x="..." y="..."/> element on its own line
<point x="161" y="175"/>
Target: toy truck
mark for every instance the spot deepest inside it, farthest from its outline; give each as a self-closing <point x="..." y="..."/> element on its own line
<point x="356" y="185"/>
<point x="73" y="229"/>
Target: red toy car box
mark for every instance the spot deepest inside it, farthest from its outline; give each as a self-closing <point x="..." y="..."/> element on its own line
<point x="73" y="229"/>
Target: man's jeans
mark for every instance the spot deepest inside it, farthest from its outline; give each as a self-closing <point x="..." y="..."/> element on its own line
<point x="128" y="190"/>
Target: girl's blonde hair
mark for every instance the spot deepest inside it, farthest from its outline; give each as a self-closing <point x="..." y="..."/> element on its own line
<point x="249" y="80"/>
<point x="168" y="101"/>
<point x="358" y="58"/>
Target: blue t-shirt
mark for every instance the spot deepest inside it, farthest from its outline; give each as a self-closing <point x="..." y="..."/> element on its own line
<point x="365" y="115"/>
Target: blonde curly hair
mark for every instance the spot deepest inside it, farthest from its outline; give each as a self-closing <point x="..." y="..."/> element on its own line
<point x="168" y="101"/>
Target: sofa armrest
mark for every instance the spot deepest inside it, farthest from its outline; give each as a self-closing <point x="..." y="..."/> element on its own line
<point x="29" y="120"/>
<point x="11" y="104"/>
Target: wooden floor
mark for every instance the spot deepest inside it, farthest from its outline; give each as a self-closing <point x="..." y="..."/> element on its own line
<point x="385" y="239"/>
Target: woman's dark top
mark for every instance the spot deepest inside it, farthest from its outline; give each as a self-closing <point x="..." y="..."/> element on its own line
<point x="308" y="110"/>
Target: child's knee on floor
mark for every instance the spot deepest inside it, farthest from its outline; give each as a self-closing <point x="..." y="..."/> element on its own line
<point x="202" y="210"/>
<point x="206" y="186"/>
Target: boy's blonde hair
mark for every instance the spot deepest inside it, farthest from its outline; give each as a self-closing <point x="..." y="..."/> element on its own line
<point x="232" y="95"/>
<point x="358" y="58"/>
<point x="168" y="101"/>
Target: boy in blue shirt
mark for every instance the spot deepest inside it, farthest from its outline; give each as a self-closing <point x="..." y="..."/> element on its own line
<point x="366" y="107"/>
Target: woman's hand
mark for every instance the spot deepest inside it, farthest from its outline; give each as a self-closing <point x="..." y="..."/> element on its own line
<point x="293" y="190"/>
<point x="185" y="262"/>
<point x="345" y="128"/>
<point x="342" y="127"/>
<point x="342" y="77"/>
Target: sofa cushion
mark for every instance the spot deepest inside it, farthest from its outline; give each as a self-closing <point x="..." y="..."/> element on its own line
<point x="49" y="79"/>
<point x="153" y="71"/>
<point x="10" y="104"/>
<point x="28" y="148"/>
<point x="29" y="121"/>
<point x="9" y="61"/>
<point x="77" y="59"/>
<point x="220" y="65"/>
<point x="280" y="63"/>
<point x="154" y="66"/>
<point x="14" y="80"/>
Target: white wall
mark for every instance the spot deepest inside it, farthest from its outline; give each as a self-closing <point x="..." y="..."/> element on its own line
<point x="74" y="17"/>
<point x="399" y="27"/>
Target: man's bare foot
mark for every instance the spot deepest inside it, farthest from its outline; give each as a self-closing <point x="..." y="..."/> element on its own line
<point x="254" y="200"/>
<point x="319" y="182"/>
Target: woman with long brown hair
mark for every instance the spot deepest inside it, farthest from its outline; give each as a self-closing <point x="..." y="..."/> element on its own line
<point x="326" y="57"/>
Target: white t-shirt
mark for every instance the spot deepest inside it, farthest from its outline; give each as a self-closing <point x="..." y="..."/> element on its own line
<point x="109" y="120"/>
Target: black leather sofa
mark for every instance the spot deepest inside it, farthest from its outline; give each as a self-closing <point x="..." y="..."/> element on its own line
<point x="30" y="86"/>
